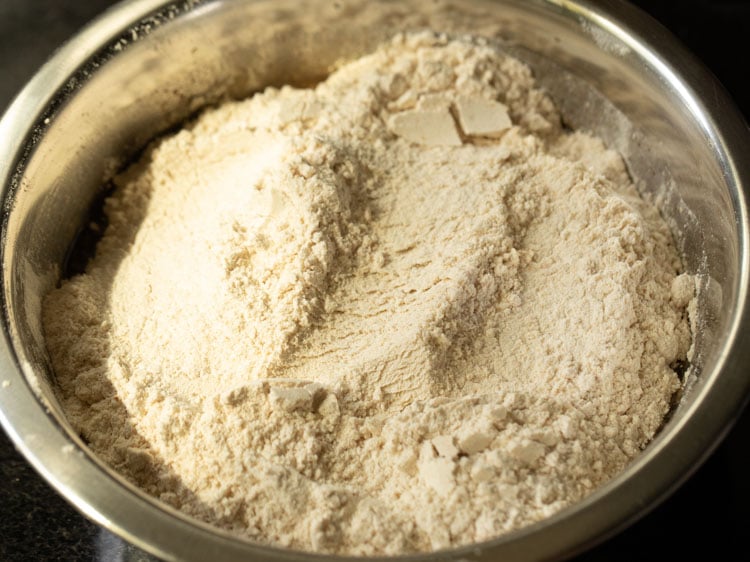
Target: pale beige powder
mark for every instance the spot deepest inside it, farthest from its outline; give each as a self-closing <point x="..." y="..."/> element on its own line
<point x="401" y="311"/>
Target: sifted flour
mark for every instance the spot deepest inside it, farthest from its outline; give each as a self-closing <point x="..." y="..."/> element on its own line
<point x="400" y="311"/>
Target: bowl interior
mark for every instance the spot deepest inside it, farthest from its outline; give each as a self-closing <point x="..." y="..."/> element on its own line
<point x="149" y="65"/>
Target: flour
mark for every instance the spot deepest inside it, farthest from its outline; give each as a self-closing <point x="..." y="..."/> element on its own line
<point x="401" y="311"/>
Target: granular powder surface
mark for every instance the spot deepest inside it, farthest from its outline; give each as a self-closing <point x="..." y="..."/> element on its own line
<point x="401" y="311"/>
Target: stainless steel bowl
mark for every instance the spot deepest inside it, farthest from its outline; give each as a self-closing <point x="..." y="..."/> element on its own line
<point x="147" y="64"/>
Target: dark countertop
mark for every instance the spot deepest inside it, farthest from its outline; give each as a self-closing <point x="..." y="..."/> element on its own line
<point x="707" y="518"/>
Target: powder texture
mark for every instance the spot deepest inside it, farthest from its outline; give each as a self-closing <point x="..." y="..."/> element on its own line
<point x="401" y="311"/>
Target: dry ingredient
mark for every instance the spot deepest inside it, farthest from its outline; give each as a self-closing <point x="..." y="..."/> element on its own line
<point x="401" y="311"/>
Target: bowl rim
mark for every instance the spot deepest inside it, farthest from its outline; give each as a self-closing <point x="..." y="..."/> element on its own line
<point x="115" y="504"/>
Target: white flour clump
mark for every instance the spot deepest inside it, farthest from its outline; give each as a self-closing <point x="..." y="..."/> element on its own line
<point x="401" y="311"/>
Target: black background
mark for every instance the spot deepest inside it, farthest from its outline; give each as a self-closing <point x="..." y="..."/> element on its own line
<point x="707" y="519"/>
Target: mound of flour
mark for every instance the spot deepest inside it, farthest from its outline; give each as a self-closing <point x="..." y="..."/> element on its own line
<point x="400" y="311"/>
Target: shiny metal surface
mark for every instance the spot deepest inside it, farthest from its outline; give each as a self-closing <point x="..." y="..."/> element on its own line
<point x="147" y="64"/>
